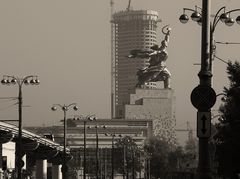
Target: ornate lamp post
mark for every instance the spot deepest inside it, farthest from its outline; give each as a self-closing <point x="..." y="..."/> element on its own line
<point x="221" y="16"/>
<point x="85" y="119"/>
<point x="64" y="108"/>
<point x="203" y="97"/>
<point x="12" y="80"/>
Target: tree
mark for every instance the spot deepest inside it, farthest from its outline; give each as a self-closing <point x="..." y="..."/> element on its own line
<point x="127" y="157"/>
<point x="228" y="135"/>
<point x="157" y="150"/>
<point x="191" y="152"/>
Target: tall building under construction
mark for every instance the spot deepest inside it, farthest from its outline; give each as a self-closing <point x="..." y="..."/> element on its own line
<point x="131" y="29"/>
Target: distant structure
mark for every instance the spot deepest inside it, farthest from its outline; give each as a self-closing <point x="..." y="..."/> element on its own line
<point x="131" y="29"/>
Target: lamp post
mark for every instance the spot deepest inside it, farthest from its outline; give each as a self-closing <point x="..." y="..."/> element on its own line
<point x="113" y="135"/>
<point x="124" y="162"/>
<point x="97" y="149"/>
<point x="12" y="80"/>
<point x="203" y="97"/>
<point x="221" y="16"/>
<point x="85" y="119"/>
<point x="112" y="153"/>
<point x="148" y="168"/>
<point x="133" y="164"/>
<point x="64" y="108"/>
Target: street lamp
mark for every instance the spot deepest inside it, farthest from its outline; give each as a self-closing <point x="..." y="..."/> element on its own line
<point x="221" y="16"/>
<point x="97" y="149"/>
<point x="85" y="119"/>
<point x="203" y="97"/>
<point x="12" y="80"/>
<point x="113" y="135"/>
<point x="125" y="141"/>
<point x="64" y="108"/>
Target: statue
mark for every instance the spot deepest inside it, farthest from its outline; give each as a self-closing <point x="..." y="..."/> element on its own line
<point x="156" y="71"/>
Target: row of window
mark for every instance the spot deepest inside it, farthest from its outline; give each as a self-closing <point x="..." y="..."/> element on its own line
<point x="140" y="31"/>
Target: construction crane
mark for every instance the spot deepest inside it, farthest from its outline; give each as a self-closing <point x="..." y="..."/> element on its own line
<point x="111" y="5"/>
<point x="129" y="4"/>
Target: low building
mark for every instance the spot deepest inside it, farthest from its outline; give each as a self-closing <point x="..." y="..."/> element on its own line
<point x="138" y="129"/>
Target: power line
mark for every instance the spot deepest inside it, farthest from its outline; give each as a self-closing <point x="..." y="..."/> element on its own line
<point x="228" y="43"/>
<point x="6" y="101"/>
<point x="8" y="97"/>
<point x="7" y="107"/>
<point x="224" y="61"/>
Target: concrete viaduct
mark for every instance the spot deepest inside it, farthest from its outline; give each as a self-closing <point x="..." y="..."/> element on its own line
<point x="38" y="152"/>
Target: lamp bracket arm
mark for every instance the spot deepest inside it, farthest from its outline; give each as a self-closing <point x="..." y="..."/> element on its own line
<point x="217" y="18"/>
<point x="188" y="9"/>
<point x="71" y="105"/>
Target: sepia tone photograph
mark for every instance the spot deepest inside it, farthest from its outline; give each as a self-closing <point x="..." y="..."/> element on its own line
<point x="120" y="89"/>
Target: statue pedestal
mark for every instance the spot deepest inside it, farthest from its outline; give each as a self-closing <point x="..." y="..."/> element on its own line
<point x="157" y="105"/>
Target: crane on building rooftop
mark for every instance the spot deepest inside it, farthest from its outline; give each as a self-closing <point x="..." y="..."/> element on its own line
<point x="129" y="4"/>
<point x="189" y="130"/>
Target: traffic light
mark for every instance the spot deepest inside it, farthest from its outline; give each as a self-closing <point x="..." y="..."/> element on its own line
<point x="4" y="163"/>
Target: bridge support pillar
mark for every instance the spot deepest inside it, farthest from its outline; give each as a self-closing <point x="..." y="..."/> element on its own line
<point x="56" y="171"/>
<point x="1" y="171"/>
<point x="41" y="169"/>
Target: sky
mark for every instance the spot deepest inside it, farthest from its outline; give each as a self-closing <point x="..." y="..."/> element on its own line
<point x="67" y="45"/>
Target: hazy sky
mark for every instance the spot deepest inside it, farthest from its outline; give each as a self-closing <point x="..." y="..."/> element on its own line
<point x="67" y="44"/>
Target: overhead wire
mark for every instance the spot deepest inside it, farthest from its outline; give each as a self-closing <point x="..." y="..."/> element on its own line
<point x="7" y="107"/>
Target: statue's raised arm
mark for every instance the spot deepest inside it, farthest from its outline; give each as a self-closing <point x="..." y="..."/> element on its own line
<point x="165" y="30"/>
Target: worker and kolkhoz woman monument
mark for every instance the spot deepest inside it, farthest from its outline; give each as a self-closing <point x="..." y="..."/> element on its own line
<point x="156" y="70"/>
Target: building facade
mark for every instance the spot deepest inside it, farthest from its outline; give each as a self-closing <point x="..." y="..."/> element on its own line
<point x="157" y="105"/>
<point x="131" y="29"/>
<point x="137" y="129"/>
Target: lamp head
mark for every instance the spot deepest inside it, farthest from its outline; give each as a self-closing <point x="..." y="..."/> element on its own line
<point x="76" y="118"/>
<point x="8" y="82"/>
<point x="64" y="108"/>
<point x="13" y="81"/>
<point x="183" y="18"/>
<point x="75" y="108"/>
<point x="224" y="99"/>
<point x="53" y="108"/>
<point x="26" y="82"/>
<point x="229" y="21"/>
<point x="238" y="20"/>
<point x="4" y="81"/>
<point x="37" y="82"/>
<point x="92" y="118"/>
<point x="32" y="82"/>
<point x="196" y="16"/>
<point x="224" y="17"/>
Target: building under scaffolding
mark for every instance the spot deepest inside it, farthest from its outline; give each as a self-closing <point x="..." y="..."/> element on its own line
<point x="131" y="29"/>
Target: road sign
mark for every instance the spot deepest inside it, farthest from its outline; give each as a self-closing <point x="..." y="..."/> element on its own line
<point x="203" y="124"/>
<point x="203" y="97"/>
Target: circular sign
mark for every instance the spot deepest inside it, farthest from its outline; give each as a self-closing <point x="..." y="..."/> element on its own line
<point x="203" y="97"/>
